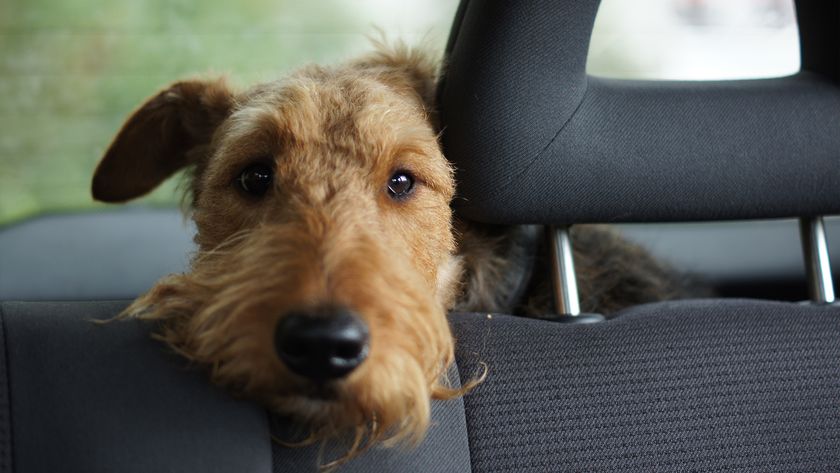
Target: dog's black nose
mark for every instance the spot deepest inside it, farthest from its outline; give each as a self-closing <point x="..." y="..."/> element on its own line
<point x="322" y="344"/>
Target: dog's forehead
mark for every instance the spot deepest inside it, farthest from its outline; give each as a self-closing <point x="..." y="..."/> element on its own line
<point x="322" y="108"/>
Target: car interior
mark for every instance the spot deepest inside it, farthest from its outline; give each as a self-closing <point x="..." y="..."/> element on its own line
<point x="733" y="181"/>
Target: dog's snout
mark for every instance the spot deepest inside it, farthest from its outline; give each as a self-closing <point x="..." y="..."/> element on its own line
<point x="322" y="344"/>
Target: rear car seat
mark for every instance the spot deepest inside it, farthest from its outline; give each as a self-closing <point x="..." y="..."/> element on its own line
<point x="734" y="385"/>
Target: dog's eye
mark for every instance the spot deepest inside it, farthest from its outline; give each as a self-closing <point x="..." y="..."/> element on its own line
<point x="256" y="179"/>
<point x="400" y="185"/>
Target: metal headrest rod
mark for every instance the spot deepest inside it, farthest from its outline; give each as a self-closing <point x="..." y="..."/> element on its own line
<point x="817" y="264"/>
<point x="814" y="247"/>
<point x="566" y="300"/>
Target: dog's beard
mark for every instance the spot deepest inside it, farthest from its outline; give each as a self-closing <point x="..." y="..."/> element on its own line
<point x="222" y="316"/>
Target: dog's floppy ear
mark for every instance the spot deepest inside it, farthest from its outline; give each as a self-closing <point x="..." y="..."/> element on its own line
<point x="404" y="67"/>
<point x="165" y="134"/>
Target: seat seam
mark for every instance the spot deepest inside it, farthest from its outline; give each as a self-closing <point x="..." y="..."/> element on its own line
<point x="9" y="430"/>
<point x="466" y="419"/>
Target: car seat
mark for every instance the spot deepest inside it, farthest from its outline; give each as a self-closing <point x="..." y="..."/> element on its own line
<point x="705" y="385"/>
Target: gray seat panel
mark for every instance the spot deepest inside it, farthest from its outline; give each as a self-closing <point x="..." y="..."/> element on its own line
<point x="90" y="398"/>
<point x="92" y="256"/>
<point x="80" y="397"/>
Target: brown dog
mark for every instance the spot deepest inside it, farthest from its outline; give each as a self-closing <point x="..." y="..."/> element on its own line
<point x="327" y="256"/>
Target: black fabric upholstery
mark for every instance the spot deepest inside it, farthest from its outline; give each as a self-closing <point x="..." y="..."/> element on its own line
<point x="537" y="140"/>
<point x="715" y="385"/>
<point x="680" y="386"/>
<point x="444" y="450"/>
<point x="90" y="398"/>
<point x="81" y="397"/>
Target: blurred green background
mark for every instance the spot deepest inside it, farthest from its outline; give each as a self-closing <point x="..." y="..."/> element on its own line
<point x="72" y="70"/>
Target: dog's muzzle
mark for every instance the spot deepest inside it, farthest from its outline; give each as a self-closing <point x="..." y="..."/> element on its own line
<point x="322" y="344"/>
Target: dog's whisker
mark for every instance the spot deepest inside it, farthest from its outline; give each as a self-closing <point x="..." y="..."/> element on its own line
<point x="227" y="245"/>
<point x="309" y="440"/>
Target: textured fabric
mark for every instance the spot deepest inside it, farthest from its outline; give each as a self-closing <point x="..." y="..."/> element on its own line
<point x="536" y="140"/>
<point x="109" y="398"/>
<point x="444" y="450"/>
<point x="92" y="398"/>
<point x="692" y="386"/>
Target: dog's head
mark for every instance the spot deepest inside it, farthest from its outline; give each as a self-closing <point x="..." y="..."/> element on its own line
<point x="325" y="259"/>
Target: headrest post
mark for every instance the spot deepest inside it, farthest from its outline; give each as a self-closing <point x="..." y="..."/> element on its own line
<point x="563" y="271"/>
<point x="817" y="264"/>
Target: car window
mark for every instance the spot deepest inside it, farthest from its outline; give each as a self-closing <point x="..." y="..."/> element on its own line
<point x="694" y="39"/>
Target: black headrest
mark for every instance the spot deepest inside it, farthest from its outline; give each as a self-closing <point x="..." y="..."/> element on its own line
<point x="537" y="140"/>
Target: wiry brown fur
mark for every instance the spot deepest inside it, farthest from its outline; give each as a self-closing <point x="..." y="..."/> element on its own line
<point x="326" y="233"/>
<point x="612" y="273"/>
